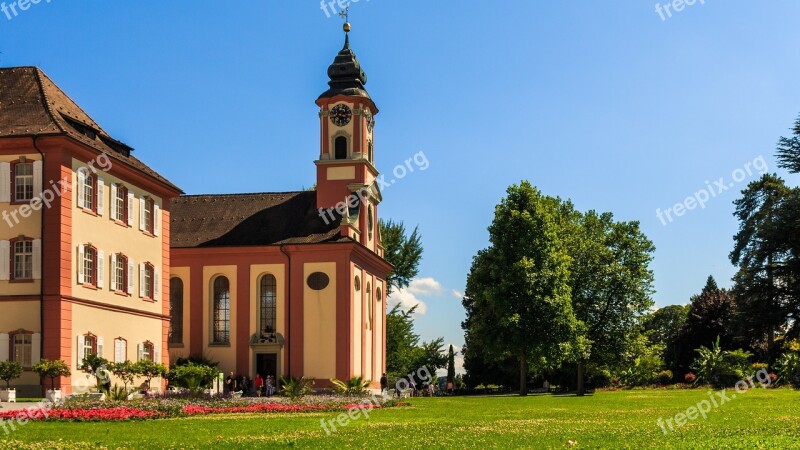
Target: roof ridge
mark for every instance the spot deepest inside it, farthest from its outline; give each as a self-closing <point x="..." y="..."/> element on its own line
<point x="94" y="124"/>
<point x="45" y="98"/>
<point x="241" y="194"/>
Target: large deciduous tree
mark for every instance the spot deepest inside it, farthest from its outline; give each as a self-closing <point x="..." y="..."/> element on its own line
<point x="518" y="297"/>
<point x="611" y="285"/>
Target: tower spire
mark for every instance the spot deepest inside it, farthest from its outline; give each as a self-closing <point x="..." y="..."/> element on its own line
<point x="345" y="14"/>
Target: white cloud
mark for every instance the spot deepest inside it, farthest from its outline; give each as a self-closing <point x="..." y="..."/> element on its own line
<point x="407" y="300"/>
<point x="425" y="286"/>
<point x="410" y="296"/>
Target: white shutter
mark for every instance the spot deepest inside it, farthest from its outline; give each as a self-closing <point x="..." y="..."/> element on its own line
<point x="5" y="260"/>
<point x="131" y="275"/>
<point x="80" y="341"/>
<point x="36" y="348"/>
<point x="112" y="282"/>
<point x="101" y="269"/>
<point x="156" y="354"/>
<point x="81" y="251"/>
<point x="119" y="350"/>
<point x="142" y="225"/>
<point x="4" y="340"/>
<point x="5" y="182"/>
<point x="139" y="352"/>
<point x="142" y="268"/>
<point x="37" y="178"/>
<point x="156" y="284"/>
<point x="101" y="200"/>
<point x="100" y="347"/>
<point x="37" y="259"/>
<point x="112" y="202"/>
<point x="81" y="188"/>
<point x="130" y="208"/>
<point x="156" y="220"/>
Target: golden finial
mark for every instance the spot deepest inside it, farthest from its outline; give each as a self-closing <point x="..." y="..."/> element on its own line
<point x="346" y="17"/>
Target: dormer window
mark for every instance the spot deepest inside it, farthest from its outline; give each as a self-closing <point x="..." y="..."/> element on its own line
<point x="340" y="148"/>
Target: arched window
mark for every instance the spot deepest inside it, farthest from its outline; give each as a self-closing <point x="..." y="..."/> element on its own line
<point x="221" y="311"/>
<point x="268" y="304"/>
<point x="369" y="306"/>
<point x="340" y="148"/>
<point x="176" y="311"/>
<point x="370" y="223"/>
<point x="370" y="154"/>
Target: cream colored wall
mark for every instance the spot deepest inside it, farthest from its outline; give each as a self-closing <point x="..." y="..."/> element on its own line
<point x="104" y="234"/>
<point x="226" y="355"/>
<point x="16" y="225"/>
<point x="380" y="308"/>
<point x="256" y="272"/>
<point x="184" y="274"/>
<point x="358" y="319"/>
<point x="19" y="315"/>
<point x="110" y="325"/>
<point x="319" y="324"/>
<point x="369" y="361"/>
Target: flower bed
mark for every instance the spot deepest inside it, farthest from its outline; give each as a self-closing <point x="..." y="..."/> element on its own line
<point x="161" y="408"/>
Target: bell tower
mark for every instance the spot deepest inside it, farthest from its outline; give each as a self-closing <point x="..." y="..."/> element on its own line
<point x="346" y="170"/>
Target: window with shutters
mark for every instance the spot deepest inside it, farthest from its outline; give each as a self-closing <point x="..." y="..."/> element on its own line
<point x="23" y="182"/>
<point x="89" y="345"/>
<point x="89" y="188"/>
<point x="147" y="351"/>
<point x="149" y="215"/>
<point x="22" y="348"/>
<point x="120" y="273"/>
<point x="120" y="350"/>
<point x="176" y="311"/>
<point x="149" y="281"/>
<point x="268" y="304"/>
<point x="22" y="259"/>
<point x="90" y="266"/>
<point x="121" y="205"/>
<point x="221" y="311"/>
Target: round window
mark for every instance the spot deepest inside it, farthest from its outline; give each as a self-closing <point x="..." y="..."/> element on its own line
<point x="318" y="281"/>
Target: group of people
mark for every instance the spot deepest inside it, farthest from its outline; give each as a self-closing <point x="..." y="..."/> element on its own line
<point x="261" y="386"/>
<point x="426" y="390"/>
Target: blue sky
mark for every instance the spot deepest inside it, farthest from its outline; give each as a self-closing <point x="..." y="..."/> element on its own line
<point x="604" y="103"/>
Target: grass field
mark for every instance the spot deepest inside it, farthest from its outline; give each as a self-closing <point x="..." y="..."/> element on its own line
<point x="626" y="419"/>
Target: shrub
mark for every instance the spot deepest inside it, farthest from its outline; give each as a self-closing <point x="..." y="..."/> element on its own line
<point x="193" y="376"/>
<point x="789" y="369"/>
<point x="296" y="388"/>
<point x="52" y="369"/>
<point x="10" y="370"/>
<point x="665" y="377"/>
<point x="759" y="366"/>
<point x="690" y="378"/>
<point x="354" y="386"/>
<point x="118" y="393"/>
<point x="643" y="372"/>
<point x="721" y="368"/>
<point x="599" y="378"/>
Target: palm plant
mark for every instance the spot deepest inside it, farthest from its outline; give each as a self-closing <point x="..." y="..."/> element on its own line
<point x="353" y="387"/>
<point x="709" y="362"/>
<point x="296" y="388"/>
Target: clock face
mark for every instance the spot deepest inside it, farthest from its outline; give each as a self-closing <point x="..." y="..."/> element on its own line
<point x="341" y="115"/>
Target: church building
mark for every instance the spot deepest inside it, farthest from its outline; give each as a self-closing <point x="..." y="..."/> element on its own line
<point x="290" y="283"/>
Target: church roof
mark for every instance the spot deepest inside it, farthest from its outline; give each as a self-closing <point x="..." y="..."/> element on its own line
<point x="239" y="220"/>
<point x="347" y="77"/>
<point x="31" y="104"/>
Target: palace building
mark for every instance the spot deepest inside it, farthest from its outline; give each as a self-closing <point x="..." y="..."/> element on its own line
<point x="100" y="254"/>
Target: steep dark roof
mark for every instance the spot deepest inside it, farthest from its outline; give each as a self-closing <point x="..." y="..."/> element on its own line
<point x="238" y="220"/>
<point x="31" y="104"/>
<point x="347" y="77"/>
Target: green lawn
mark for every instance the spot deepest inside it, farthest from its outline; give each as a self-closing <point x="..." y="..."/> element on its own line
<point x="626" y="419"/>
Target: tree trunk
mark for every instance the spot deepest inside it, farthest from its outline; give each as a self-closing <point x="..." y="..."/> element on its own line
<point x="523" y="374"/>
<point x="581" y="386"/>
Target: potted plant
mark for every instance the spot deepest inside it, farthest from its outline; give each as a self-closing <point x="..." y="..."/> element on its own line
<point x="52" y="369"/>
<point x="9" y="370"/>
